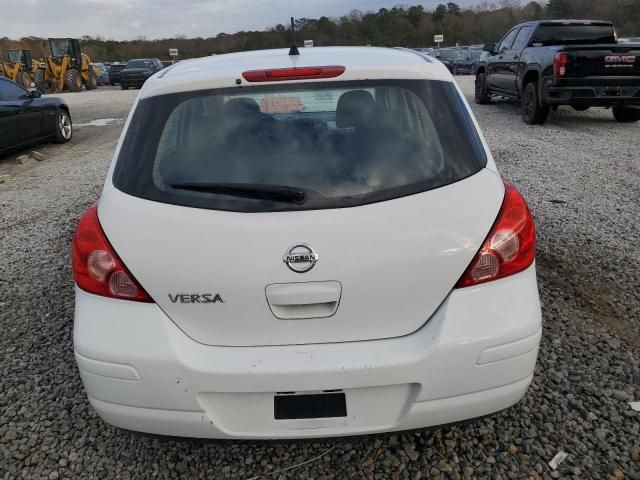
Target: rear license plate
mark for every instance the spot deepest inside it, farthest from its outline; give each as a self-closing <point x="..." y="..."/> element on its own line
<point x="321" y="405"/>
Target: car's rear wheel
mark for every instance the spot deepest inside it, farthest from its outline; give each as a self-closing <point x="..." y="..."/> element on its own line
<point x="533" y="111"/>
<point x="624" y="114"/>
<point x="481" y="89"/>
<point x="64" y="126"/>
<point x="455" y="70"/>
<point x="124" y="87"/>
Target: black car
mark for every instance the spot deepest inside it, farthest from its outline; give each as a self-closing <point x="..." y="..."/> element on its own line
<point x="137" y="71"/>
<point x="474" y="56"/>
<point x="448" y="56"/>
<point x="465" y="62"/>
<point x="26" y="118"/>
<point x="114" y="73"/>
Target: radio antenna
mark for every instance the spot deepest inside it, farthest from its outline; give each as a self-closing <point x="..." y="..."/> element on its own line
<point x="293" y="50"/>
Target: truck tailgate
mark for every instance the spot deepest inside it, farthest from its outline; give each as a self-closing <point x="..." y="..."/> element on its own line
<point x="604" y="64"/>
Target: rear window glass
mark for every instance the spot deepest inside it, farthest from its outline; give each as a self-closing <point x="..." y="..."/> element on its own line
<point x="139" y="64"/>
<point x="449" y="54"/>
<point x="580" y="34"/>
<point x="298" y="146"/>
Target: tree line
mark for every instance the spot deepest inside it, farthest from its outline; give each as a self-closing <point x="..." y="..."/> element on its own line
<point x="406" y="26"/>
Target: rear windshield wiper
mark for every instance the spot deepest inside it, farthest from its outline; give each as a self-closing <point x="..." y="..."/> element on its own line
<point x="278" y="193"/>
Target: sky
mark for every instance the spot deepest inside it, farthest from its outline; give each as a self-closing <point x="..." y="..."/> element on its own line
<point x="128" y="19"/>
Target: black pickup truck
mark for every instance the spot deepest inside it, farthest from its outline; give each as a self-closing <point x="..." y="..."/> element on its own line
<point x="545" y="64"/>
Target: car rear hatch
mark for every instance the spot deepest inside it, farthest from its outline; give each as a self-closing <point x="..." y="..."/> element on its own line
<point x="382" y="269"/>
<point x="135" y="75"/>
<point x="371" y="234"/>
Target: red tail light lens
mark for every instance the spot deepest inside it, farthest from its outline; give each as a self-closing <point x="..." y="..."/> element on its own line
<point x="96" y="266"/>
<point x="510" y="246"/>
<point x="560" y="62"/>
<point x="294" y="73"/>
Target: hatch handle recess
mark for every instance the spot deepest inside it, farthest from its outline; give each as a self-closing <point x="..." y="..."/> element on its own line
<point x="289" y="301"/>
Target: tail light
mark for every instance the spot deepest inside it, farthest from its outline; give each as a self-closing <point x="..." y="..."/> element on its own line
<point x="96" y="266"/>
<point x="510" y="246"/>
<point x="293" y="73"/>
<point x="560" y="62"/>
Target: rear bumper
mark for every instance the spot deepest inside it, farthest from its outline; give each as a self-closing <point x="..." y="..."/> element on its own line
<point x="464" y="68"/>
<point x="592" y="95"/>
<point x="474" y="357"/>
<point x="133" y="82"/>
<point x="419" y="415"/>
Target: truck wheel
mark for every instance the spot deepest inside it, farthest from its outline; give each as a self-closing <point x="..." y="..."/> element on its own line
<point x="73" y="80"/>
<point x="24" y="79"/>
<point x="92" y="81"/>
<point x="533" y="113"/>
<point x="38" y="79"/>
<point x="64" y="127"/>
<point x="481" y="89"/>
<point x="624" y="114"/>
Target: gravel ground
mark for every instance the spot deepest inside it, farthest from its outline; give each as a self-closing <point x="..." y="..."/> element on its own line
<point x="580" y="174"/>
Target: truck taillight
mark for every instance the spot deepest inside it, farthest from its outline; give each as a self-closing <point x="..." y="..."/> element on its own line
<point x="510" y="246"/>
<point x="96" y="266"/>
<point x="560" y="62"/>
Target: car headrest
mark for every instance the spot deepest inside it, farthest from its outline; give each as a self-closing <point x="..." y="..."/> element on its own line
<point x="354" y="109"/>
<point x="241" y="107"/>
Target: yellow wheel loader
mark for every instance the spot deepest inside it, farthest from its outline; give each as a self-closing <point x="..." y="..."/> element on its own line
<point x="67" y="69"/>
<point x="18" y="68"/>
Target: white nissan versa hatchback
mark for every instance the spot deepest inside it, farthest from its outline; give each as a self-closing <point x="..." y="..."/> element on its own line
<point x="304" y="246"/>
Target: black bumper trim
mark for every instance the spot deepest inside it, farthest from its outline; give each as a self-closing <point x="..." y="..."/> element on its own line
<point x="604" y="95"/>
